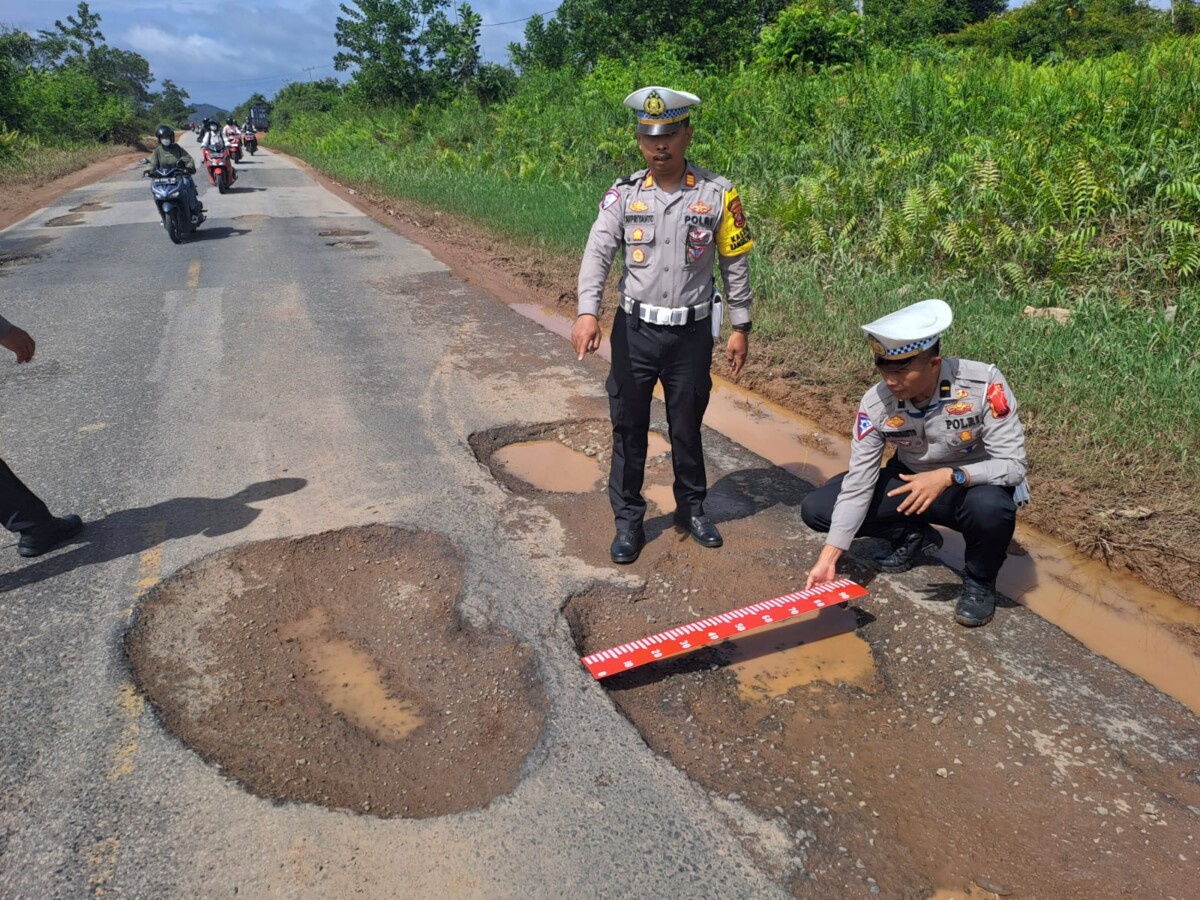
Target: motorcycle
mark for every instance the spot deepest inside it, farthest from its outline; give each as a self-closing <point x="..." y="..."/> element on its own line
<point x="234" y="143"/>
<point x="220" y="171"/>
<point x="172" y="202"/>
<point x="250" y="139"/>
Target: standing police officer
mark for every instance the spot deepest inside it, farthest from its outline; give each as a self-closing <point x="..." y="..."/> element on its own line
<point x="959" y="462"/>
<point x="672" y="220"/>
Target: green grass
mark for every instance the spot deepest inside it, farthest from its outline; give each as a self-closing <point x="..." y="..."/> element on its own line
<point x="28" y="161"/>
<point x="991" y="183"/>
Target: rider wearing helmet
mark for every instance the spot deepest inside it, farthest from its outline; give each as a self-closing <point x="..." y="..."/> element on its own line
<point x="169" y="155"/>
<point x="231" y="130"/>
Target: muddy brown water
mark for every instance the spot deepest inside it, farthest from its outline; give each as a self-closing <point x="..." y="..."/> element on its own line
<point x="1109" y="612"/>
<point x="334" y="669"/>
<point x="550" y="465"/>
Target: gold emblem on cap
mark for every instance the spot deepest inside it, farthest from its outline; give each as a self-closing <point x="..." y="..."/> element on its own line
<point x="879" y="349"/>
<point x="654" y="105"/>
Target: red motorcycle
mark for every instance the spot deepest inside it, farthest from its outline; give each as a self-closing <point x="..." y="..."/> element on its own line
<point x="220" y="170"/>
<point x="234" y="143"/>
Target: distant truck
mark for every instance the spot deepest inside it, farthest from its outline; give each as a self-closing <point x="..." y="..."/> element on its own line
<point x="259" y="119"/>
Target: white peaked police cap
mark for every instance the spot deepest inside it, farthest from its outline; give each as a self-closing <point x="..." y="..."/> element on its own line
<point x="909" y="331"/>
<point x="660" y="110"/>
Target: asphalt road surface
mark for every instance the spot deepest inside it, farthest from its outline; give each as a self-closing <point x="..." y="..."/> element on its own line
<point x="168" y="381"/>
<point x="296" y="367"/>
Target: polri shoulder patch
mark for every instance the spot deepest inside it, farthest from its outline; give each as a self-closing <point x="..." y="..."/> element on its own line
<point x="611" y="196"/>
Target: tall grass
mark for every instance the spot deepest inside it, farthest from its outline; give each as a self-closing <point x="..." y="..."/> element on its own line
<point x="993" y="183"/>
<point x="27" y="160"/>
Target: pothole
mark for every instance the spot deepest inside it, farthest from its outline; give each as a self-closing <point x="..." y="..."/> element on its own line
<point x="251" y="217"/>
<point x="567" y="457"/>
<point x="12" y="260"/>
<point x="334" y="669"/>
<point x="353" y="245"/>
<point x="88" y="207"/>
<point x="341" y="232"/>
<point x="69" y="219"/>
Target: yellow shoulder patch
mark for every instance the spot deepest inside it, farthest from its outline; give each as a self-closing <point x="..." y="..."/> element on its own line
<point x="733" y="233"/>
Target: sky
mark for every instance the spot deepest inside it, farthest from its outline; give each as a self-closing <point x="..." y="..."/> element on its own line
<point x="221" y="53"/>
<point x="250" y="45"/>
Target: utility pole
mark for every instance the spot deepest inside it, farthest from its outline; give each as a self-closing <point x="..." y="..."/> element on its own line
<point x="309" y="70"/>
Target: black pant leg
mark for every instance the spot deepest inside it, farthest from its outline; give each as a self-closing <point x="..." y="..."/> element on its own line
<point x="687" y="385"/>
<point x="20" y="507"/>
<point x="986" y="514"/>
<point x="630" y="386"/>
<point x="883" y="518"/>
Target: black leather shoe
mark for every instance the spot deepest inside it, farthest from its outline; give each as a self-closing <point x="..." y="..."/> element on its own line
<point x="977" y="604"/>
<point x="908" y="548"/>
<point x="701" y="528"/>
<point x="627" y="545"/>
<point x="43" y="538"/>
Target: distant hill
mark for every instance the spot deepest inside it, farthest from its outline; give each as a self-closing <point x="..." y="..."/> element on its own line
<point x="207" y="109"/>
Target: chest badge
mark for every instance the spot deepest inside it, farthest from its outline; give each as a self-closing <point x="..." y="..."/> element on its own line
<point x="896" y="422"/>
<point x="638" y="234"/>
<point x="960" y="408"/>
<point x="965" y="437"/>
<point x="638" y="255"/>
<point x="700" y="208"/>
<point x="638" y="206"/>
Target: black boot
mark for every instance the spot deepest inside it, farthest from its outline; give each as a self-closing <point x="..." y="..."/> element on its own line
<point x="627" y="545"/>
<point x="42" y="538"/>
<point x="701" y="528"/>
<point x="909" y="546"/>
<point x="977" y="604"/>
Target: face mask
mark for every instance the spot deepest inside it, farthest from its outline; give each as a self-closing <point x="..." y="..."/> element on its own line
<point x="164" y="142"/>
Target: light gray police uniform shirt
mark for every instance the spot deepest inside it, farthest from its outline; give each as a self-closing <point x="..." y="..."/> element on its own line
<point x="670" y="242"/>
<point x="971" y="424"/>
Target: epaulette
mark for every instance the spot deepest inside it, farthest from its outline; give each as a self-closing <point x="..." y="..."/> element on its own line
<point x="720" y="180"/>
<point x="632" y="179"/>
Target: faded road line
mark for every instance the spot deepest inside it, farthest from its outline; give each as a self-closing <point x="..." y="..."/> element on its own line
<point x="194" y="274"/>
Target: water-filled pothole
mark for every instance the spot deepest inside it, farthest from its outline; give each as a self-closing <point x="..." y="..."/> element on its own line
<point x="334" y="669"/>
<point x="69" y="219"/>
<point x="568" y="457"/>
<point x="353" y="245"/>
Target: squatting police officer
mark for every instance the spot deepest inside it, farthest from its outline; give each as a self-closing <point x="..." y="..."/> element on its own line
<point x="672" y="221"/>
<point x="959" y="461"/>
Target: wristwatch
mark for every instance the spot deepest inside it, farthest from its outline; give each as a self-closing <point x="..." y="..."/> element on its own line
<point x="958" y="476"/>
<point x="744" y="327"/>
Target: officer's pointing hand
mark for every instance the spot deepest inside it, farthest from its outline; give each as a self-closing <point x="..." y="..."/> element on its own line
<point x="585" y="335"/>
<point x="922" y="490"/>
<point x="736" y="351"/>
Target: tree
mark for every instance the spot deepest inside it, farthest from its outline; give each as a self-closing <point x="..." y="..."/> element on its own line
<point x="547" y="45"/>
<point x="302" y="97"/>
<point x="120" y="72"/>
<point x="242" y="110"/>
<point x="170" y="105"/>
<point x="902" y="22"/>
<point x="452" y="49"/>
<point x="702" y="33"/>
<point x="384" y="45"/>
<point x="75" y="39"/>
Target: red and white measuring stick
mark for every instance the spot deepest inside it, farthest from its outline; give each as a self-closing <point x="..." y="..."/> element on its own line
<point x="687" y="638"/>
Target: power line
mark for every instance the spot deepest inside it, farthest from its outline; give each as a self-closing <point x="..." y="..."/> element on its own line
<point x="307" y="70"/>
<point x="515" y="21"/>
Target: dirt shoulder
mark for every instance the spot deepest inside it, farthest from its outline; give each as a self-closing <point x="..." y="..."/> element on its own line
<point x="1148" y="535"/>
<point x="25" y="193"/>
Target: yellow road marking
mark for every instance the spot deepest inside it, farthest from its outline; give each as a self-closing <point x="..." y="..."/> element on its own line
<point x="130" y="704"/>
<point x="194" y="274"/>
<point x="101" y="864"/>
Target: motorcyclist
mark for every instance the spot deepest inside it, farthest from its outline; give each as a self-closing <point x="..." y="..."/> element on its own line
<point x="231" y="130"/>
<point x="169" y="155"/>
<point x="210" y="137"/>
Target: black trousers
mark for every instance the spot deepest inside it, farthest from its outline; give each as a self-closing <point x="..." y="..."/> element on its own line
<point x="20" y="507"/>
<point x="643" y="354"/>
<point x="985" y="514"/>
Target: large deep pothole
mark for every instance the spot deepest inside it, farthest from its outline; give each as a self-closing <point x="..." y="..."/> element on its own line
<point x="334" y="669"/>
